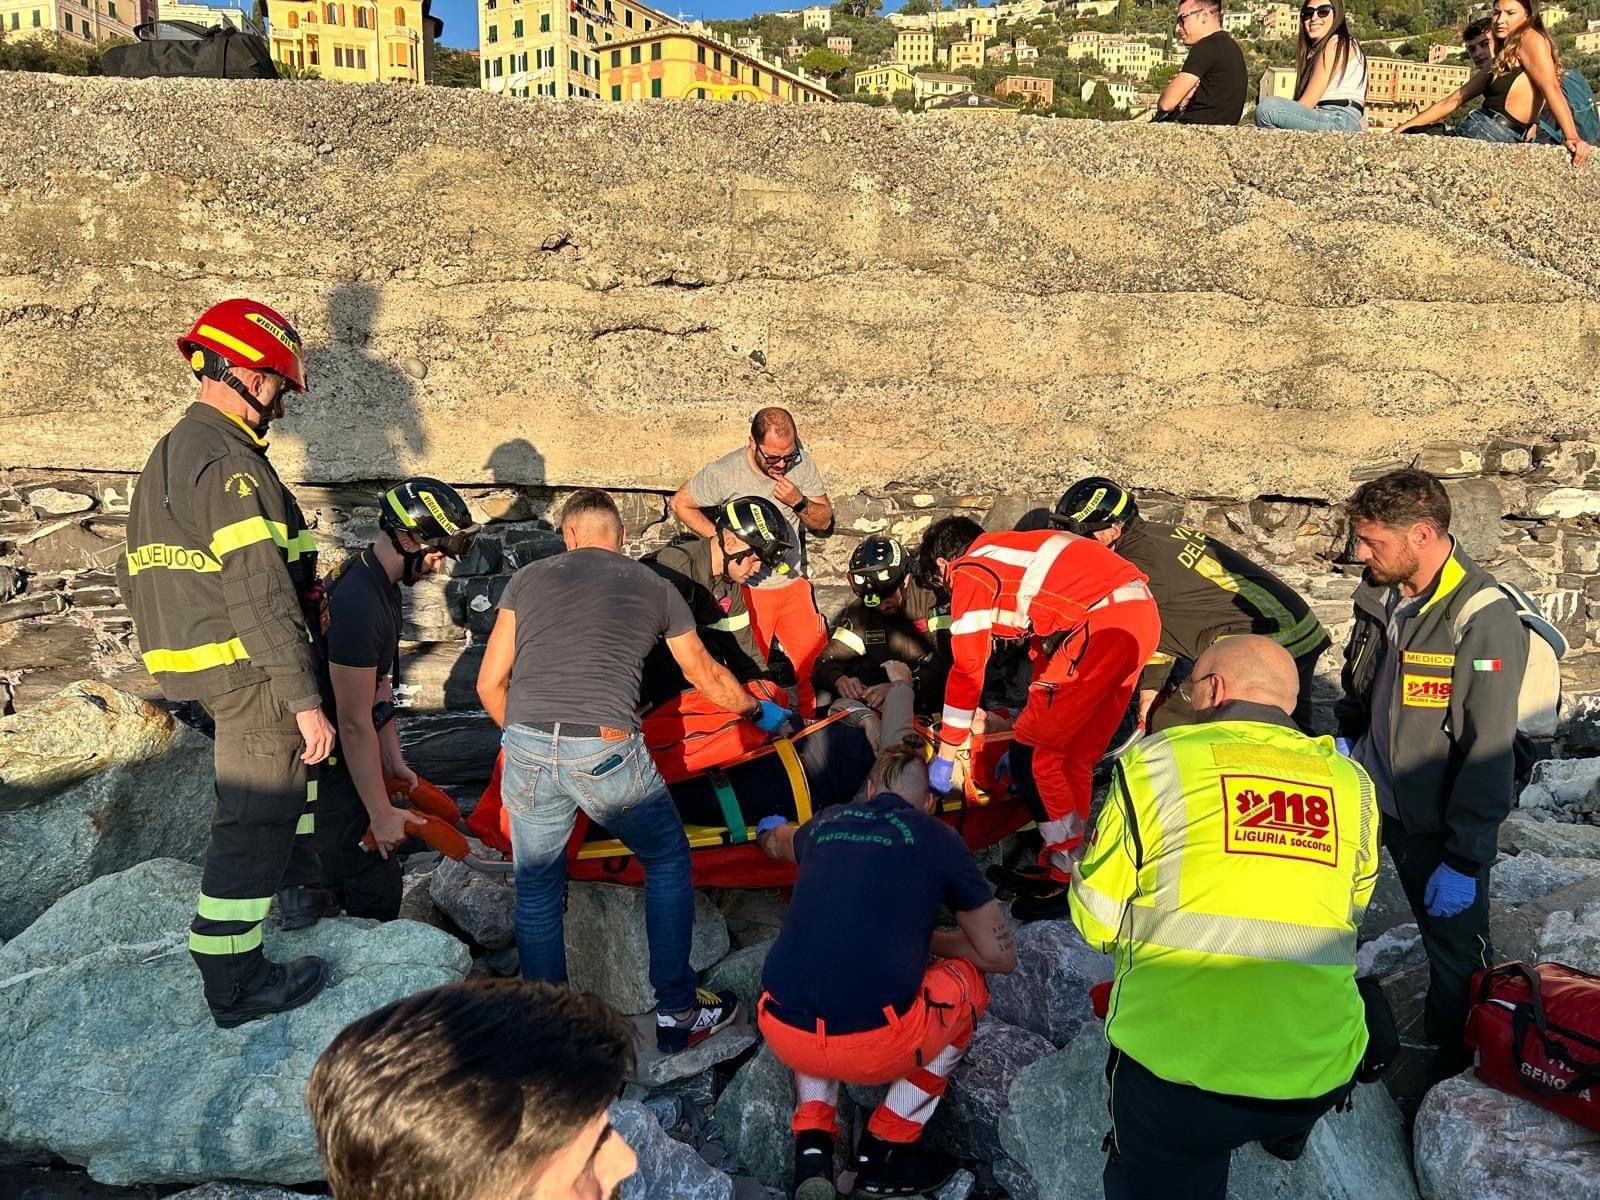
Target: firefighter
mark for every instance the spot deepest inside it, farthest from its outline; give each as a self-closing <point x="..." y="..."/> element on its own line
<point x="1205" y="591"/>
<point x="219" y="574"/>
<point x="422" y="522"/>
<point x="1091" y="625"/>
<point x="892" y="618"/>
<point x="1234" y="1014"/>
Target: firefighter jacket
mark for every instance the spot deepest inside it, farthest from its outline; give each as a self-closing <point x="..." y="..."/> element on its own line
<point x="1452" y="713"/>
<point x="720" y="616"/>
<point x="1206" y="590"/>
<point x="1039" y="584"/>
<point x="217" y="561"/>
<point x="864" y="639"/>
<point x="1229" y="870"/>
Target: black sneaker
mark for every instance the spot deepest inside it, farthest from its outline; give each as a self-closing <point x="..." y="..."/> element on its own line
<point x="287" y="986"/>
<point x="712" y="1011"/>
<point x="303" y="907"/>
<point x="895" y="1169"/>
<point x="1022" y="881"/>
<point x="813" y="1166"/>
<point x="1042" y="906"/>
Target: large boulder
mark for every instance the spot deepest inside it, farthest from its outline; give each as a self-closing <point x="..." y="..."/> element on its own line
<point x="967" y="1121"/>
<point x="93" y="781"/>
<point x="608" y="952"/>
<point x="1522" y="833"/>
<point x="740" y="973"/>
<point x="1058" y="1118"/>
<point x="111" y="1058"/>
<point x="1573" y="937"/>
<point x="1049" y="991"/>
<point x="483" y="906"/>
<point x="754" y="1113"/>
<point x="1388" y="907"/>
<point x="1474" y="1142"/>
<point x="667" y="1167"/>
<point x="1532" y="876"/>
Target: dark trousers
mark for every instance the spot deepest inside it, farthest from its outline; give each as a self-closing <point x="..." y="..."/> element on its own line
<point x="1172" y="709"/>
<point x="367" y="884"/>
<point x="261" y="834"/>
<point x="1457" y="946"/>
<point x="1171" y="1141"/>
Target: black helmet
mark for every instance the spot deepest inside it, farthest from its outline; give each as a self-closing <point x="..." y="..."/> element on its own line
<point x="877" y="568"/>
<point x="759" y="524"/>
<point x="1093" y="504"/>
<point x="430" y="512"/>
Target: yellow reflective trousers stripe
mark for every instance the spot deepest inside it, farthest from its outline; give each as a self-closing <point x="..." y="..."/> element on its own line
<point x="242" y="943"/>
<point x="306" y="824"/>
<point x="213" y="908"/>
<point x="258" y="529"/>
<point x="195" y="658"/>
<point x="731" y="624"/>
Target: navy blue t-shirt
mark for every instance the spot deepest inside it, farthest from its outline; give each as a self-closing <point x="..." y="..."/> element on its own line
<point x="872" y="877"/>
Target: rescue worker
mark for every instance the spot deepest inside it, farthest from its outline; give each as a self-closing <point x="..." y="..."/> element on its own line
<point x="1091" y="625"/>
<point x="1234" y="1014"/>
<point x="710" y="574"/>
<point x="1204" y="589"/>
<point x="892" y="618"/>
<point x="421" y="523"/>
<point x="775" y="467"/>
<point x="218" y="573"/>
<point x="1431" y="679"/>
<point x="861" y="988"/>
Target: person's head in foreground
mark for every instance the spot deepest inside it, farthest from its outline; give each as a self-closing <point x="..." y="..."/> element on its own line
<point x="1247" y="669"/>
<point x="493" y="1089"/>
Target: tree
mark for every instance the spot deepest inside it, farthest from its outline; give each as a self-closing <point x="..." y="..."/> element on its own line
<point x="297" y="74"/>
<point x="54" y="54"/>
<point x="916" y="8"/>
<point x="858" y="8"/>
<point x="903" y="99"/>
<point x="825" y="63"/>
<point x="1101" y="106"/>
<point x="454" y="68"/>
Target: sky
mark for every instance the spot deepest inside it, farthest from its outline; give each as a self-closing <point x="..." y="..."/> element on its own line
<point x="461" y="16"/>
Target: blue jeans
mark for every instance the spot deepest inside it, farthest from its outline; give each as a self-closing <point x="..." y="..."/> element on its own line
<point x="547" y="778"/>
<point x="1279" y="112"/>
<point x="1484" y="129"/>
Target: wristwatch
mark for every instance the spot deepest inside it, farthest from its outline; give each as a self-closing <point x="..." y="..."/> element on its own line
<point x="805" y="502"/>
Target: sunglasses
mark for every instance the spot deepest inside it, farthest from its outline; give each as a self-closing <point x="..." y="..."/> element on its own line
<point x="1320" y="10"/>
<point x="1184" y="17"/>
<point x="773" y="460"/>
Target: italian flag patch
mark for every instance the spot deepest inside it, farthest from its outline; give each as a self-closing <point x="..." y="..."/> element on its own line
<point x="1486" y="664"/>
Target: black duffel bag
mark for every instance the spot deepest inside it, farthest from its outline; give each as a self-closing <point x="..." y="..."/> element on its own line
<point x="187" y="50"/>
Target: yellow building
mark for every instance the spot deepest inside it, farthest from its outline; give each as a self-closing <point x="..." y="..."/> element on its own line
<point x="818" y="16"/>
<point x="552" y="47"/>
<point x="930" y="85"/>
<point x="1280" y="22"/>
<point x="1554" y="14"/>
<point x="1123" y="95"/>
<point x="1398" y="88"/>
<point x="1276" y="81"/>
<point x="88" y="23"/>
<point x="236" y="15"/>
<point x="968" y="54"/>
<point x="1587" y="43"/>
<point x="914" y="48"/>
<point x="1119" y="55"/>
<point x="982" y="23"/>
<point x="885" y="80"/>
<point x="349" y="41"/>
<point x="681" y="64"/>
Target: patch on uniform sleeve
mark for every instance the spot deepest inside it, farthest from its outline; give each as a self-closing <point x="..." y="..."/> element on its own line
<point x="1280" y="818"/>
<point x="241" y="484"/>
<point x="1425" y="691"/>
<point x="1486" y="664"/>
<point x="1419" y="658"/>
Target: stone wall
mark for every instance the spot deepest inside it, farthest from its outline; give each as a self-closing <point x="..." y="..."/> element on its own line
<point x="524" y="298"/>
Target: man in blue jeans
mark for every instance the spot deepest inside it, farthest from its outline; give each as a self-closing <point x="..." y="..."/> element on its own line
<point x="561" y="676"/>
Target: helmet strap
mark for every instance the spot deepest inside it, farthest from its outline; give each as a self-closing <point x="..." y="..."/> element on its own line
<point x="411" y="558"/>
<point x="263" y="411"/>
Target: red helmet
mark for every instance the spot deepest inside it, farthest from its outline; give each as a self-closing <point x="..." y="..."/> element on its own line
<point x="245" y="333"/>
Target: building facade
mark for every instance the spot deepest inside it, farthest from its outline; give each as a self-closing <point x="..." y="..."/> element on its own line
<point x="1119" y="55"/>
<point x="1398" y="88"/>
<point x="1280" y="22"/>
<point x="884" y="80"/>
<point x="86" y="23"/>
<point x="1123" y="95"/>
<point x="1036" y="88"/>
<point x="818" y="16"/>
<point x="914" y="48"/>
<point x="1587" y="43"/>
<point x="350" y="41"/>
<point x="930" y="85"/>
<point x="964" y="55"/>
<point x="235" y="15"/>
<point x="552" y="48"/>
<point x="841" y="44"/>
<point x="973" y="105"/>
<point x="680" y="64"/>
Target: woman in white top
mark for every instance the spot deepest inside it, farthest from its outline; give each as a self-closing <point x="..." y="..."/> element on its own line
<point x="1330" y="84"/>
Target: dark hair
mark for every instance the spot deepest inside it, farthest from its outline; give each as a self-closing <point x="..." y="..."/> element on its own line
<point x="946" y="538"/>
<point x="460" y="1092"/>
<point x="1477" y="29"/>
<point x="910" y="753"/>
<point x="1401" y="498"/>
<point x="1307" y="51"/>
<point x="772" y="420"/>
<point x="585" y="501"/>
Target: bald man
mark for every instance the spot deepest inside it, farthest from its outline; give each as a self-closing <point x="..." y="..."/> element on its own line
<point x="1228" y="872"/>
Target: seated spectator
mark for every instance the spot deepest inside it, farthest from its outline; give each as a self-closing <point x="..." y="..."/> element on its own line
<point x="861" y="988"/>
<point x="1523" y="77"/>
<point x="475" y="1091"/>
<point x="1211" y="87"/>
<point x="1330" y="83"/>
<point x="1477" y="39"/>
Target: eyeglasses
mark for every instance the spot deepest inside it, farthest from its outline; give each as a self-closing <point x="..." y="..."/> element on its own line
<point x="1186" y="688"/>
<point x="773" y="460"/>
<point x="1183" y="17"/>
<point x="1319" y="10"/>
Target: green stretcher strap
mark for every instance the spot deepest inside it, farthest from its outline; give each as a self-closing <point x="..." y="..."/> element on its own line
<point x="738" y="832"/>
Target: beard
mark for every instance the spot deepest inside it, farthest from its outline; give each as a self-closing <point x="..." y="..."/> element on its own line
<point x="1390" y="574"/>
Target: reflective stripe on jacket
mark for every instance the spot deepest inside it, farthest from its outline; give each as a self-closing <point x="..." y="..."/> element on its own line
<point x="217" y="559"/>
<point x="1229" y="869"/>
<point x="865" y="638"/>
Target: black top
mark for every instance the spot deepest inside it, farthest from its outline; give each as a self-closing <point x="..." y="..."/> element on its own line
<point x="363" y="630"/>
<point x="718" y="607"/>
<point x="872" y="877"/>
<point x="1218" y="63"/>
<point x="864" y="639"/>
<point x="836" y="759"/>
<point x="585" y="621"/>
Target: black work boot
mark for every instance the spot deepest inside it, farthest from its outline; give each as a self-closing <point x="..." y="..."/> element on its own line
<point x="286" y="986"/>
<point x="1288" y="1149"/>
<point x="900" y="1169"/>
<point x="813" y="1166"/>
<point x="1041" y="906"/>
<point x="302" y="907"/>
<point x="1031" y="880"/>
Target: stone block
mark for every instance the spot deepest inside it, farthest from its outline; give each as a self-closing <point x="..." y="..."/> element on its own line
<point x="1450" y="460"/>
<point x="1476" y="506"/>
<point x="1048" y="993"/>
<point x="608" y="952"/>
<point x="667" y="1167"/>
<point x="967" y="1122"/>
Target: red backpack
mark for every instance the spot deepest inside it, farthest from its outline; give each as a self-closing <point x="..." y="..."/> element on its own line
<point x="1537" y="1033"/>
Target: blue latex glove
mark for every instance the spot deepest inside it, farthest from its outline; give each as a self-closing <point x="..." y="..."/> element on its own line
<point x="1449" y="891"/>
<point x="1343" y="746"/>
<point x="1002" y="769"/>
<point x="768" y="824"/>
<point x="939" y="772"/>
<point x="770" y="718"/>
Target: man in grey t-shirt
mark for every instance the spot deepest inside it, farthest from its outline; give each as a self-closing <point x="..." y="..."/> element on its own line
<point x="561" y="676"/>
<point x="775" y="466"/>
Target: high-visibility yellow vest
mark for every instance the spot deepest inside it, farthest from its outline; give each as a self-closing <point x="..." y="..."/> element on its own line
<point x="1230" y="868"/>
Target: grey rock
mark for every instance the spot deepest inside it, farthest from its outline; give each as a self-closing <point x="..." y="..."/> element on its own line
<point x="416" y="901"/>
<point x="1395" y="950"/>
<point x="655" y="1069"/>
<point x="667" y="1168"/>
<point x="1560" y="783"/>
<point x="1058" y="1117"/>
<point x="102" y="989"/>
<point x="57" y="503"/>
<point x="240" y="1191"/>
<point x="1388" y="907"/>
<point x="1573" y="938"/>
<point x="608" y="953"/>
<point x="1019" y="1185"/>
<point x="754" y="1113"/>
<point x="752" y="917"/>
<point x="967" y="1121"/>
<point x="1450" y="460"/>
<point x="484" y="906"/>
<point x="960" y="1187"/>
<point x="1520" y="833"/>
<point x="1475" y="1142"/>
<point x="93" y="781"/>
<point x="1475" y="510"/>
<point x="740" y="973"/>
<point x="1049" y="991"/>
<point x="1530" y="876"/>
